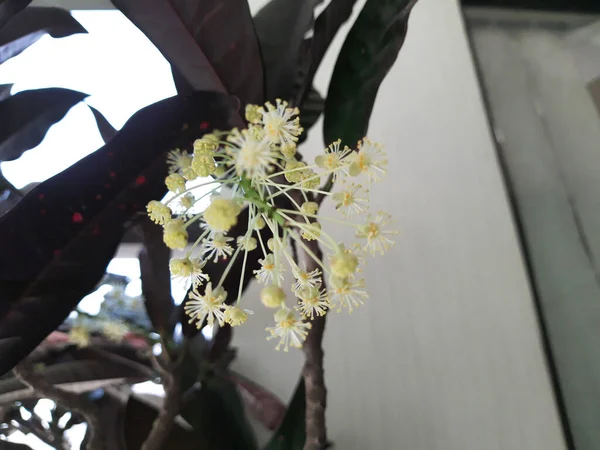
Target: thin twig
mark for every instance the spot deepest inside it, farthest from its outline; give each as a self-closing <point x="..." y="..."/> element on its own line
<point x="163" y="424"/>
<point x="314" y="379"/>
<point x="27" y="375"/>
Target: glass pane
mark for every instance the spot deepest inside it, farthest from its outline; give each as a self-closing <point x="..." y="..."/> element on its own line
<point x="540" y="74"/>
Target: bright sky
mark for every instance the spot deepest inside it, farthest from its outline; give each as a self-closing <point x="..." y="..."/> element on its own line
<point x="121" y="70"/>
<point x="114" y="63"/>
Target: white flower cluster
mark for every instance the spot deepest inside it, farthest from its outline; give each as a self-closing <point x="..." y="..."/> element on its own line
<point x="260" y="168"/>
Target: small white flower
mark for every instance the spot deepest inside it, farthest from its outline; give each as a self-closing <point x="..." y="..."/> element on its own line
<point x="305" y="279"/>
<point x="178" y="161"/>
<point x="279" y="127"/>
<point x="370" y="160"/>
<point x="209" y="306"/>
<point x="188" y="270"/>
<point x="347" y="293"/>
<point x="333" y="158"/>
<point x="313" y="300"/>
<point x="217" y="246"/>
<point x="252" y="157"/>
<point x="378" y="237"/>
<point x="269" y="272"/>
<point x="290" y="330"/>
<point x="115" y="331"/>
<point x="247" y="242"/>
<point x="235" y="316"/>
<point x="80" y="336"/>
<point x="353" y="200"/>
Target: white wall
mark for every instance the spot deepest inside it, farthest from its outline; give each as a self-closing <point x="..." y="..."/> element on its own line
<point x="446" y="354"/>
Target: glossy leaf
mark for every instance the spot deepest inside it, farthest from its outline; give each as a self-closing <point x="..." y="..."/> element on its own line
<point x="8" y="199"/>
<point x="27" y="116"/>
<point x="5" y="91"/>
<point x="107" y="131"/>
<point x="281" y="26"/>
<point x="58" y="240"/>
<point x="9" y="8"/>
<point x="211" y="43"/>
<point x="292" y="432"/>
<point x="31" y="24"/>
<point x="370" y="50"/>
<point x="156" y="276"/>
<point x="326" y="27"/>
<point x="217" y="413"/>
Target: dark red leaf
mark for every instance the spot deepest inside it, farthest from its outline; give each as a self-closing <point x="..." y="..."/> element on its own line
<point x="48" y="262"/>
<point x="31" y="24"/>
<point x="8" y="9"/>
<point x="5" y="91"/>
<point x="156" y="277"/>
<point x="281" y="26"/>
<point x="262" y="403"/>
<point x="28" y="115"/>
<point x="210" y="42"/>
<point x="107" y="131"/>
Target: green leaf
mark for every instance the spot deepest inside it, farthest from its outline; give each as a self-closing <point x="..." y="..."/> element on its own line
<point x="370" y="50"/>
<point x="292" y="432"/>
<point x="217" y="413"/>
<point x="326" y="27"/>
<point x="28" y="115"/>
<point x="312" y="108"/>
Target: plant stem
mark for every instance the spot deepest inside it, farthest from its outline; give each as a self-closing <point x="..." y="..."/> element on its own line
<point x="27" y="375"/>
<point x="163" y="424"/>
<point x="314" y="379"/>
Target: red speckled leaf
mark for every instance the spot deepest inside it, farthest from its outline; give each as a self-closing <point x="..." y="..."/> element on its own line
<point x="57" y="241"/>
<point x="211" y="43"/>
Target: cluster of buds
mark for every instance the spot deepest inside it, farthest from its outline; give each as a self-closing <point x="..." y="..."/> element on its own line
<point x="255" y="168"/>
